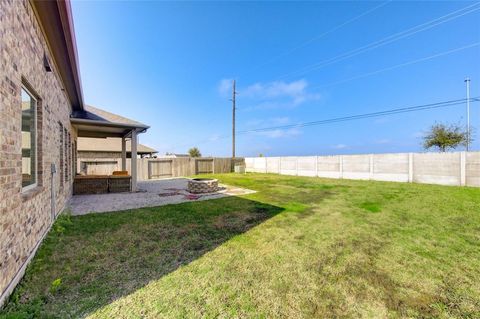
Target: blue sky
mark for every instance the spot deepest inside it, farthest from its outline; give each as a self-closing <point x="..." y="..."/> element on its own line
<point x="170" y="65"/>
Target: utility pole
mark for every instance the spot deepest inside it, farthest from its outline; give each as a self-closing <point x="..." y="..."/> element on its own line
<point x="467" y="82"/>
<point x="233" y="119"/>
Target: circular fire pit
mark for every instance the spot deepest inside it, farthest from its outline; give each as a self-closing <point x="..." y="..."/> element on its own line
<point x="202" y="185"/>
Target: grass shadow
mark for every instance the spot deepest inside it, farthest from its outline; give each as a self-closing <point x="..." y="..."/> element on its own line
<point x="86" y="262"/>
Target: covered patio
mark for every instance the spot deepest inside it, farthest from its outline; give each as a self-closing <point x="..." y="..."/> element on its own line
<point x="96" y="123"/>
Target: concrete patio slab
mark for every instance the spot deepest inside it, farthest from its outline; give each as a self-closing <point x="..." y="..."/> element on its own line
<point x="150" y="194"/>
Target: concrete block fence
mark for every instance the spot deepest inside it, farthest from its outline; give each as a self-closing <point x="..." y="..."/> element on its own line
<point x="455" y="168"/>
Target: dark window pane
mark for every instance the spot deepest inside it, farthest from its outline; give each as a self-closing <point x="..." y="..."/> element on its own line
<point x="28" y="139"/>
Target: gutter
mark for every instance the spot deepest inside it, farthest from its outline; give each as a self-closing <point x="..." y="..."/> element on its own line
<point x="139" y="128"/>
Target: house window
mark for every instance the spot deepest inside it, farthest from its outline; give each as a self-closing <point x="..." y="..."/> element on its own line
<point x="29" y="140"/>
<point x="69" y="155"/>
<point x="74" y="158"/>
<point x="65" y="134"/>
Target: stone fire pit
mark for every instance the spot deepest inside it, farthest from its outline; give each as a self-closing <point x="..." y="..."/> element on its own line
<point x="202" y="185"/>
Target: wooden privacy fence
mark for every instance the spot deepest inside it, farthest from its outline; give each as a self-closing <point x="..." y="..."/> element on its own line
<point x="154" y="168"/>
<point x="456" y="168"/>
<point x="160" y="168"/>
<point x="204" y="166"/>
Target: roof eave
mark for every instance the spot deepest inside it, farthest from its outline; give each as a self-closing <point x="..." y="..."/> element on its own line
<point x="56" y="20"/>
<point x="108" y="124"/>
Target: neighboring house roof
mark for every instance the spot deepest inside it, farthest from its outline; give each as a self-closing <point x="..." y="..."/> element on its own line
<point x="109" y="145"/>
<point x="56" y="20"/>
<point x="176" y="155"/>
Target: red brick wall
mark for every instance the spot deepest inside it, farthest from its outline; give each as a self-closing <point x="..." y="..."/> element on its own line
<point x="26" y="216"/>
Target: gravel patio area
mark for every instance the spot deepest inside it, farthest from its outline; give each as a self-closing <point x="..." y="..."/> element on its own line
<point x="150" y="194"/>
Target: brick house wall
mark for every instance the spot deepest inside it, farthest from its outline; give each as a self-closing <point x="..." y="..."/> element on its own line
<point x="26" y="216"/>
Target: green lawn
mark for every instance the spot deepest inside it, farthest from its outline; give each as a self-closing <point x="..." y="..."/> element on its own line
<point x="298" y="248"/>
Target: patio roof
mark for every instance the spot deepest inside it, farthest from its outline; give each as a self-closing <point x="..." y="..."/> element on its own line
<point x="95" y="122"/>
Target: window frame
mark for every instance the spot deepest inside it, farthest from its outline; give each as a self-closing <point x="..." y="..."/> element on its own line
<point x="61" y="159"/>
<point x="74" y="158"/>
<point x="65" y="151"/>
<point x="35" y="129"/>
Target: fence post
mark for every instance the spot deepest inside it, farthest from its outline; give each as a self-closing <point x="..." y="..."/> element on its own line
<point x="410" y="167"/>
<point x="371" y="166"/>
<point x="463" y="168"/>
<point x="266" y="167"/>
<point x="280" y="165"/>
<point x="340" y="166"/>
<point x="296" y="165"/>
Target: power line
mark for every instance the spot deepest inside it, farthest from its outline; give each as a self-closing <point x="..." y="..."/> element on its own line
<point x="400" y="65"/>
<point x="389" y="39"/>
<point x="472" y="45"/>
<point x="415" y="108"/>
<point x="392" y="38"/>
<point x="363" y="116"/>
<point x="436" y="55"/>
<point x="321" y="35"/>
<point x="364" y="75"/>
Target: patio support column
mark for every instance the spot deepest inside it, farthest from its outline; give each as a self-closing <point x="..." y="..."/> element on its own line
<point x="134" y="160"/>
<point x="124" y="154"/>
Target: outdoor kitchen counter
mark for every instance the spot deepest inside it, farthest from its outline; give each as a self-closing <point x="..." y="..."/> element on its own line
<point x="101" y="184"/>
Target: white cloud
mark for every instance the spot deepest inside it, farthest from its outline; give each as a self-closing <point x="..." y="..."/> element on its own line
<point x="339" y="146"/>
<point x="418" y="134"/>
<point x="383" y="141"/>
<point x="295" y="92"/>
<point x="256" y="123"/>
<point x="381" y="120"/>
<point x="225" y="86"/>
<point x="274" y="121"/>
<point x="275" y="94"/>
<point x="280" y="133"/>
<point x="276" y="89"/>
<point x="281" y="120"/>
<point x="214" y="138"/>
